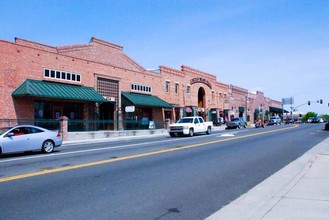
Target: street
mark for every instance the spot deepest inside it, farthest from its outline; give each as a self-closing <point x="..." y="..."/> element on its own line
<point x="151" y="178"/>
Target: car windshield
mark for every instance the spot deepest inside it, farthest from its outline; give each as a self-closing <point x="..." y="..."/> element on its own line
<point x="185" y="120"/>
<point x="3" y="130"/>
<point x="235" y="119"/>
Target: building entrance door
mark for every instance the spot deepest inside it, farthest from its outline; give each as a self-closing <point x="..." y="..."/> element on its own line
<point x="201" y="102"/>
<point x="106" y="113"/>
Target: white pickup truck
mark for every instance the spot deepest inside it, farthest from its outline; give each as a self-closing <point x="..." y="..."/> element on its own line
<point x="190" y="126"/>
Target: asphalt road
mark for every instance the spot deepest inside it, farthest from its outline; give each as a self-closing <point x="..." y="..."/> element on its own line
<point x="150" y="178"/>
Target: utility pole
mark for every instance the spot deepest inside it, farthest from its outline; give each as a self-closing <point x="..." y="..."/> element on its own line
<point x="247" y="97"/>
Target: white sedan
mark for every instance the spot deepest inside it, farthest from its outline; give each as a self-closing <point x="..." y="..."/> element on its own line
<point x="28" y="138"/>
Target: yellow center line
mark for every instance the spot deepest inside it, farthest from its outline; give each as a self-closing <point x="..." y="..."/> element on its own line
<point x="55" y="170"/>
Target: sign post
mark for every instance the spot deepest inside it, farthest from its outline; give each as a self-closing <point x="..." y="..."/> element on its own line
<point x="287" y="101"/>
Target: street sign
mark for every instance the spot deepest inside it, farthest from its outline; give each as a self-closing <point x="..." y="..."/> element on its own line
<point x="288" y="101"/>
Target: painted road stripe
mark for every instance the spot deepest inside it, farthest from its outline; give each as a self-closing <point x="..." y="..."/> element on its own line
<point x="227" y="135"/>
<point x="55" y="170"/>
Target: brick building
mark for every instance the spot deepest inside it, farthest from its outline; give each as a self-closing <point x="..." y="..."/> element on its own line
<point x="193" y="92"/>
<point x="97" y="81"/>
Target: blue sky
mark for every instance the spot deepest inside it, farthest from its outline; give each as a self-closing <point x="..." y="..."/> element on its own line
<point x="279" y="47"/>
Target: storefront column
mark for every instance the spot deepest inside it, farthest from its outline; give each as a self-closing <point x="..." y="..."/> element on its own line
<point x="63" y="124"/>
<point x="174" y="114"/>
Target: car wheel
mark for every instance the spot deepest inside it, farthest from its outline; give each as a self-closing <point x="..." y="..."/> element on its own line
<point x="48" y="146"/>
<point x="191" y="132"/>
<point x="208" y="130"/>
<point x="238" y="127"/>
<point x="172" y="134"/>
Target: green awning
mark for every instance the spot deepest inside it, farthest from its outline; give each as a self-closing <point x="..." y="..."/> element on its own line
<point x="257" y="111"/>
<point x="241" y="109"/>
<point x="277" y="110"/>
<point x="52" y="90"/>
<point x="129" y="98"/>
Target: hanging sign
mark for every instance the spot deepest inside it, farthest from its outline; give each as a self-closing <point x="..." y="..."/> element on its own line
<point x="130" y="108"/>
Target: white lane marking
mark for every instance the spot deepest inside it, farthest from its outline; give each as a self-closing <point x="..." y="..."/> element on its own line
<point x="227" y="135"/>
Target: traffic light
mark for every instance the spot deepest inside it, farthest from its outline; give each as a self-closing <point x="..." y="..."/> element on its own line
<point x="320" y="101"/>
<point x="309" y="102"/>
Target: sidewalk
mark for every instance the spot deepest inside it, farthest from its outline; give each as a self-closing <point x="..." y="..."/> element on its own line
<point x="298" y="191"/>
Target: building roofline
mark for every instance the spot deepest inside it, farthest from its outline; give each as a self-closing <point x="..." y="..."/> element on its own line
<point x="105" y="43"/>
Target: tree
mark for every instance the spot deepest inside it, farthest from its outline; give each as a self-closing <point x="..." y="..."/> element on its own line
<point x="325" y="117"/>
<point x="309" y="115"/>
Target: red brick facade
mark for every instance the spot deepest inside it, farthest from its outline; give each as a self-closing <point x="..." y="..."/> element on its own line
<point x="190" y="91"/>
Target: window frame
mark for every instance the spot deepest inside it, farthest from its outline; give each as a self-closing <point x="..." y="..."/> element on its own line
<point x="61" y="75"/>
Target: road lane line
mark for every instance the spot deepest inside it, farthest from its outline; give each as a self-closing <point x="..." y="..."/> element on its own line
<point x="55" y="170"/>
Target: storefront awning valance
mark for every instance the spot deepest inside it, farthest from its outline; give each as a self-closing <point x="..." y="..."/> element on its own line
<point x="52" y="90"/>
<point x="241" y="109"/>
<point x="277" y="110"/>
<point x="129" y="98"/>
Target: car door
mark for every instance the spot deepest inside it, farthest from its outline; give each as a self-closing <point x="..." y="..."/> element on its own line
<point x="202" y="125"/>
<point x="197" y="126"/>
<point x="17" y="142"/>
<point x="36" y="138"/>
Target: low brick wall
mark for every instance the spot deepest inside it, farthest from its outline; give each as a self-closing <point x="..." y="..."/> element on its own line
<point x="89" y="135"/>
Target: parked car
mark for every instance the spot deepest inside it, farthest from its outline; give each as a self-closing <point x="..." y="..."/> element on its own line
<point x="28" y="138"/>
<point x="218" y="121"/>
<point x="289" y="120"/>
<point x="236" y="123"/>
<point x="309" y="120"/>
<point x="326" y="126"/>
<point x="317" y="120"/>
<point x="299" y="121"/>
<point x="274" y="120"/>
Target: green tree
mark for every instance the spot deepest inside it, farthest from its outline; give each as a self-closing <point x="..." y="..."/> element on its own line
<point x="309" y="115"/>
<point x="325" y="117"/>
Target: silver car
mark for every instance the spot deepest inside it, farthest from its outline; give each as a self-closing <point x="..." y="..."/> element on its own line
<point x="28" y="138"/>
<point x="274" y="120"/>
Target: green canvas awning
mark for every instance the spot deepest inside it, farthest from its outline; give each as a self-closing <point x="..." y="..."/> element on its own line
<point x="52" y="90"/>
<point x="129" y="98"/>
<point x="241" y="109"/>
<point x="277" y="110"/>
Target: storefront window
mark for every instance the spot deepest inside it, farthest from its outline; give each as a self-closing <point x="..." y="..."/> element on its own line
<point x="43" y="115"/>
<point x="47" y="113"/>
<point x="72" y="110"/>
<point x="42" y="110"/>
<point x="53" y="110"/>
